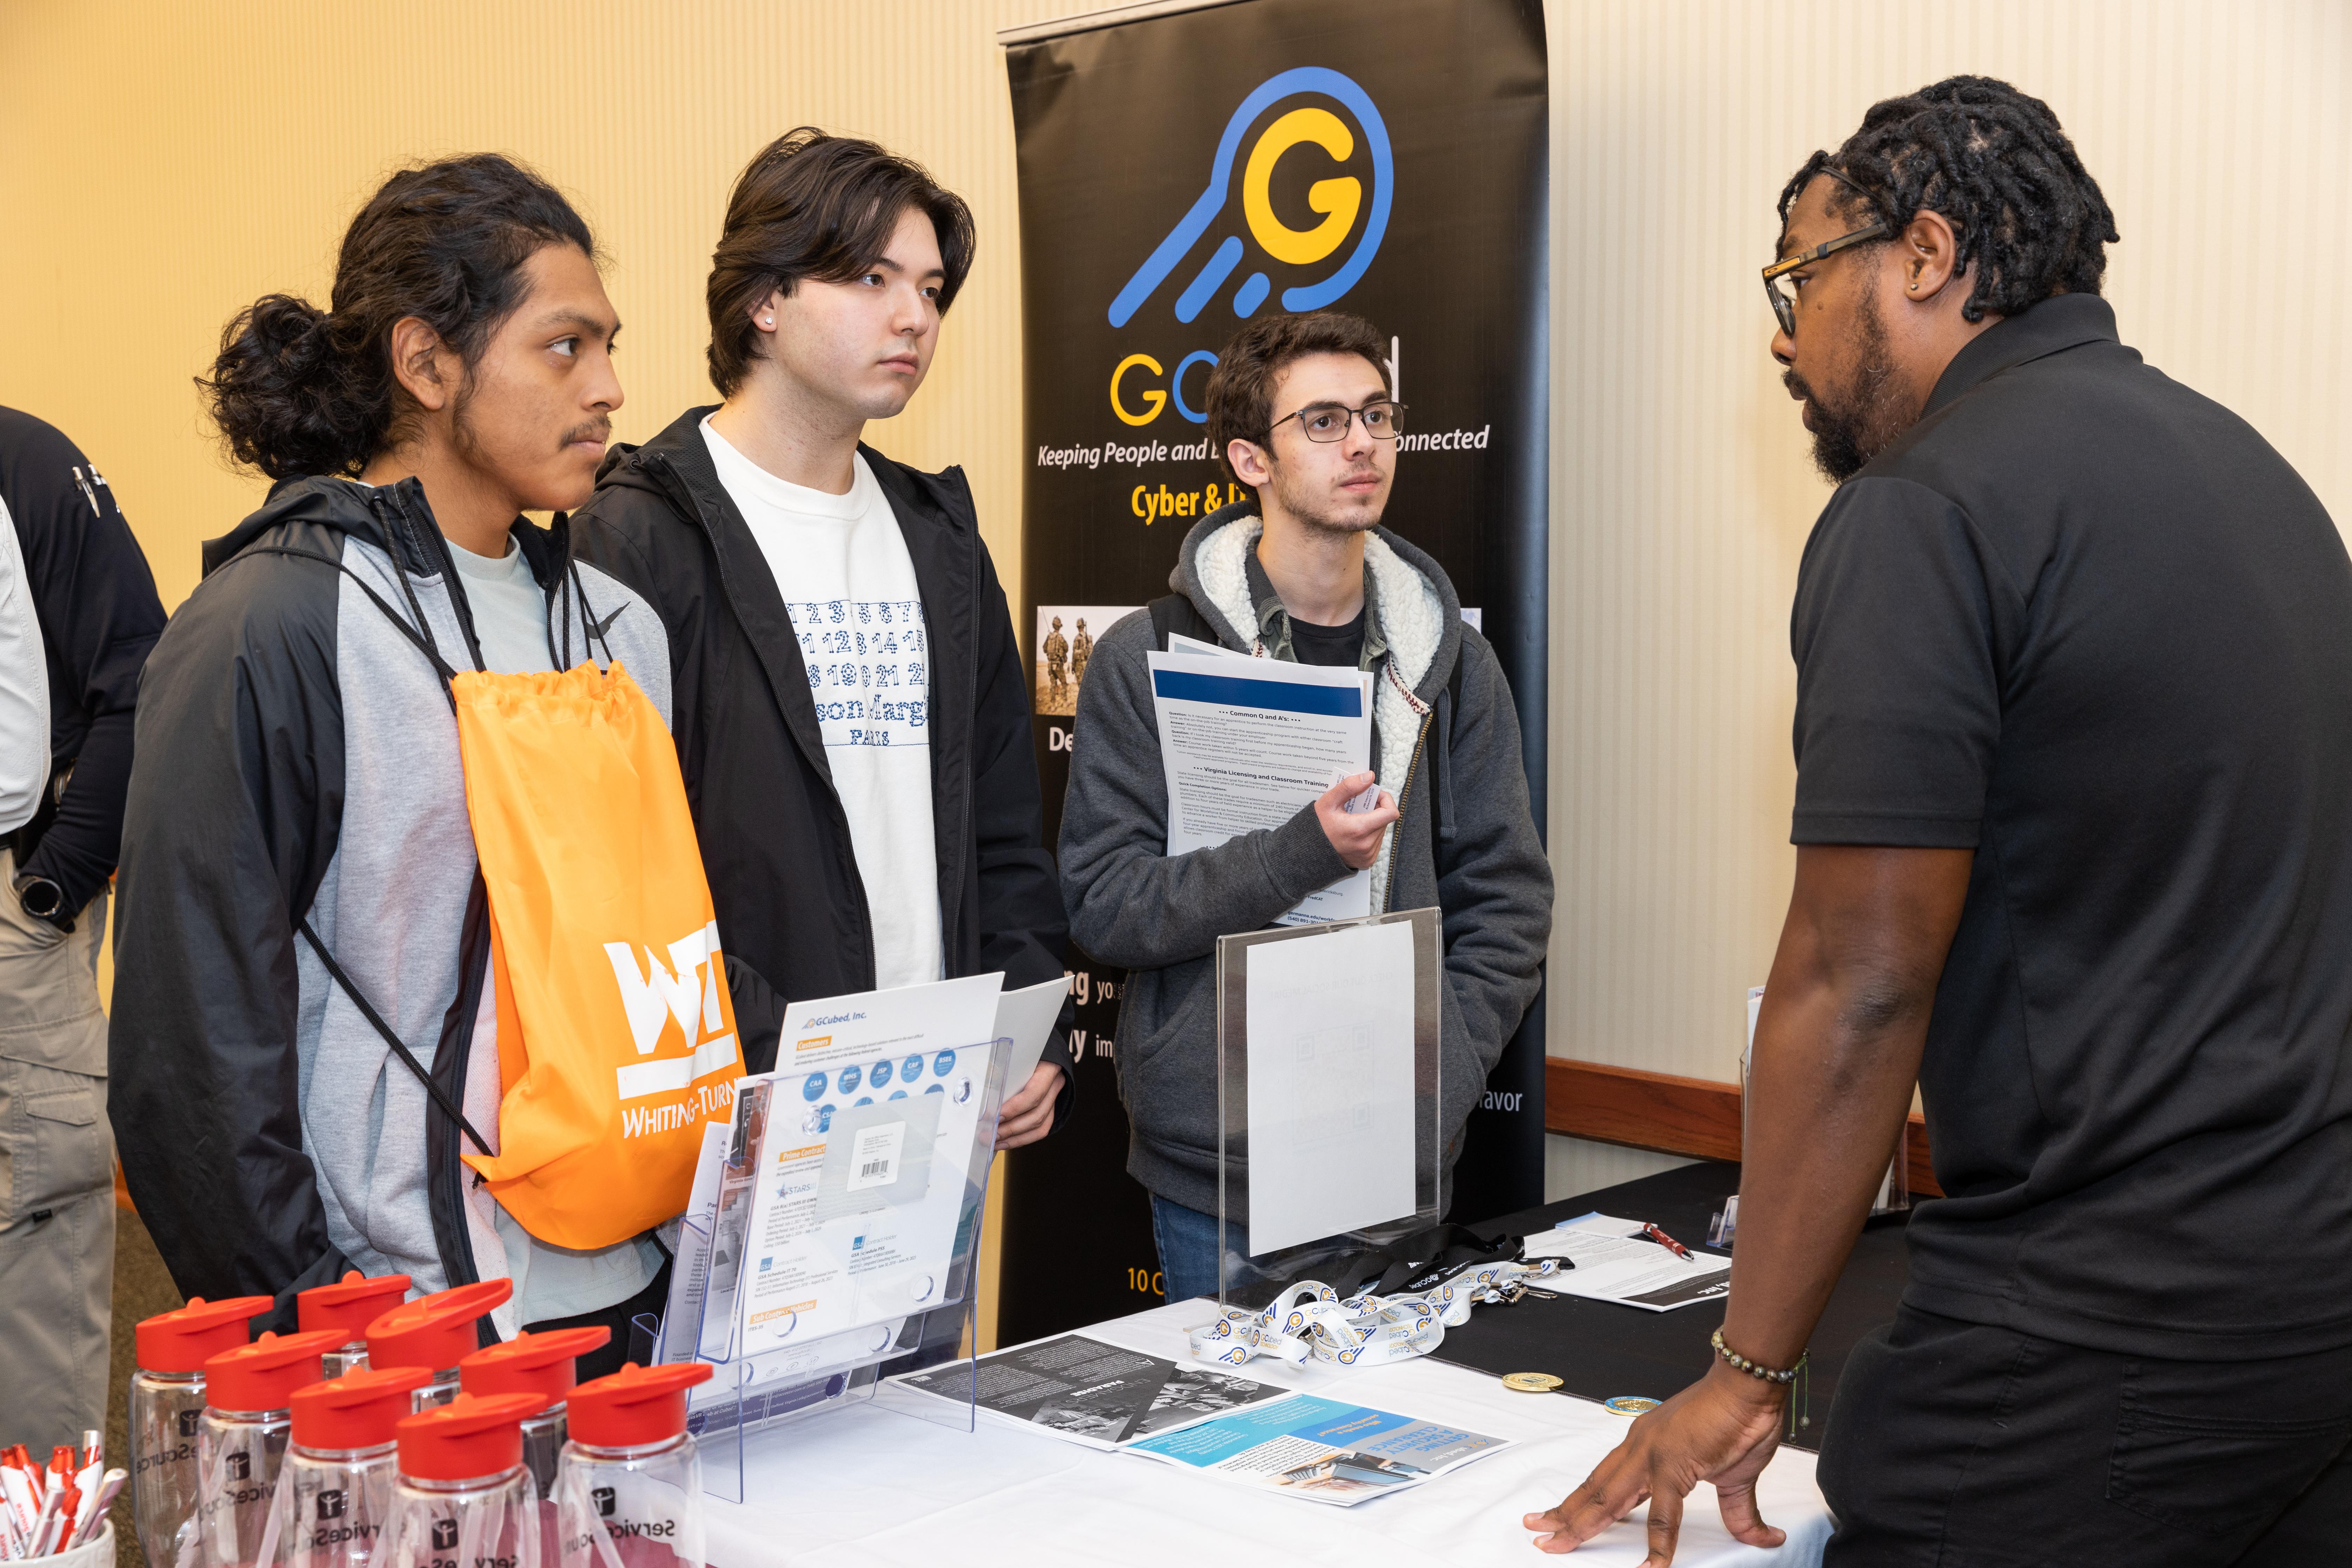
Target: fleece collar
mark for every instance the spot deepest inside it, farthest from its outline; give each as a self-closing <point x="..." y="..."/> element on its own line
<point x="1419" y="619"/>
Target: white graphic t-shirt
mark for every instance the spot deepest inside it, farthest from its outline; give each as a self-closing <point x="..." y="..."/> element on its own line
<point x="842" y="568"/>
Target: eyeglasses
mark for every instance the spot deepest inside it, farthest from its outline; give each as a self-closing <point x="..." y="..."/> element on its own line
<point x="1781" y="289"/>
<point x="1329" y="422"/>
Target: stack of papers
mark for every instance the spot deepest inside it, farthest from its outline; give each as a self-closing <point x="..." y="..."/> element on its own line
<point x="1613" y="1266"/>
<point x="1244" y="744"/>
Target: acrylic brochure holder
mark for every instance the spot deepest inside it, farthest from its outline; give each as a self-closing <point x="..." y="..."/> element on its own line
<point x="764" y="1395"/>
<point x="1328" y="1102"/>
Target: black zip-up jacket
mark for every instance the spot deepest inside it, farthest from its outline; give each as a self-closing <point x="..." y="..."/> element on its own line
<point x="775" y="840"/>
<point x="299" y="766"/>
<point x="98" y="612"/>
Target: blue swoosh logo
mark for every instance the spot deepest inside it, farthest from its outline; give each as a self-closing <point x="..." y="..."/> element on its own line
<point x="1187" y="232"/>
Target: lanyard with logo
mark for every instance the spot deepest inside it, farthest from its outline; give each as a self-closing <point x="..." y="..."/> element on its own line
<point x="1311" y="1322"/>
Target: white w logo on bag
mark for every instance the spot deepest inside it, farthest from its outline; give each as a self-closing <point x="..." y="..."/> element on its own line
<point x="687" y="991"/>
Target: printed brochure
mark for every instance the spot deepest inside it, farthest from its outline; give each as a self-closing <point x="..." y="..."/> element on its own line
<point x="1321" y="1450"/>
<point x="1093" y="1393"/>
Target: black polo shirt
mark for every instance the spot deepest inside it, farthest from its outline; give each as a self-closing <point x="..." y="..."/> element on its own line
<point x="2087" y="623"/>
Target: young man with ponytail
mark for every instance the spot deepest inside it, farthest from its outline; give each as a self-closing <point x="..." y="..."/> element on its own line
<point x="853" y="711"/>
<point x="299" y="773"/>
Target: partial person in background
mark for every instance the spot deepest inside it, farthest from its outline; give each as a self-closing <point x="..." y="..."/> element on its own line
<point x="1300" y="411"/>
<point x="2074" y="821"/>
<point x="78" y="616"/>
<point x="852" y="715"/>
<point x="298" y="765"/>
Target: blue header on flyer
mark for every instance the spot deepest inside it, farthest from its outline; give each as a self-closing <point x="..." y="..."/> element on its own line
<point x="1283" y="696"/>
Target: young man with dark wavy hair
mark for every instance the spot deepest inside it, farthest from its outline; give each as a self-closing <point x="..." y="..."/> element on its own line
<point x="1300" y="412"/>
<point x="2074" y="821"/>
<point x="304" y="1042"/>
<point x="853" y="713"/>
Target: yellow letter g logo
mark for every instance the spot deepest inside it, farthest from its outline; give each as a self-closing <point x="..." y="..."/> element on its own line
<point x="1154" y="400"/>
<point x="1337" y="199"/>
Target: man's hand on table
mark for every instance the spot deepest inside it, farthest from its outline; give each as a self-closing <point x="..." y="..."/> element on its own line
<point x="1723" y="1428"/>
<point x="1837" y="1050"/>
<point x="1029" y="1114"/>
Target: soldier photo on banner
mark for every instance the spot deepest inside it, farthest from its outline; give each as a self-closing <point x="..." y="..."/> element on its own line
<point x="1065" y="641"/>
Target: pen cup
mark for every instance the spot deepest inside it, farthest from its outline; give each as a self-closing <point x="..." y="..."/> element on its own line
<point x="98" y="1552"/>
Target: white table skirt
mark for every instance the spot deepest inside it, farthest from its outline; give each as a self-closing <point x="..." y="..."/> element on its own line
<point x="874" y="1485"/>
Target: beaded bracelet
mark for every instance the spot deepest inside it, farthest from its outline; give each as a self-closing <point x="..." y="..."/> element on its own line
<point x="1751" y="1368"/>
<point x="1800" y="1408"/>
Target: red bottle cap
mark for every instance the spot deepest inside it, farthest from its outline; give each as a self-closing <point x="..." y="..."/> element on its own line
<point x="351" y="1304"/>
<point x="264" y="1374"/>
<point x="184" y="1339"/>
<point x="434" y="1331"/>
<point x="636" y="1404"/>
<point x="357" y="1410"/>
<point x="531" y="1364"/>
<point x="468" y="1440"/>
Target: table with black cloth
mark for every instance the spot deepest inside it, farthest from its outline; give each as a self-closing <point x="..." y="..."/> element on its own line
<point x="1600" y="1350"/>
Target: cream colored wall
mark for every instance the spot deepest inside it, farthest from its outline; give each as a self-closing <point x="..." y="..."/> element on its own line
<point x="2223" y="135"/>
<point x="168" y="162"/>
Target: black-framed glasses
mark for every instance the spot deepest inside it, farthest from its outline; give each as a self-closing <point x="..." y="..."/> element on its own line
<point x="1783" y="290"/>
<point x="1329" y="422"/>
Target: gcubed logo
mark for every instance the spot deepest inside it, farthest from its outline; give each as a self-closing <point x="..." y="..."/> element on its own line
<point x="604" y="1496"/>
<point x="238" y="1466"/>
<point x="1314" y="265"/>
<point x="1246" y="205"/>
<point x="445" y="1535"/>
<point x="330" y="1504"/>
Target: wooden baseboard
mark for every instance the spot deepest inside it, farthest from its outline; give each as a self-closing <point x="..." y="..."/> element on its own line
<point x="1696" y="1117"/>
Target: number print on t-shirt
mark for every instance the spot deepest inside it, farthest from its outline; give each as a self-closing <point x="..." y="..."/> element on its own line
<point x="868" y="668"/>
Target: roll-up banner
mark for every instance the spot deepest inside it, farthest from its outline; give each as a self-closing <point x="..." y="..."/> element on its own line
<point x="1182" y="170"/>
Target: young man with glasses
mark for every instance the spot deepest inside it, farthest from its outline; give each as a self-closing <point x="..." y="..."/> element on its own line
<point x="2074" y="817"/>
<point x="1302" y="570"/>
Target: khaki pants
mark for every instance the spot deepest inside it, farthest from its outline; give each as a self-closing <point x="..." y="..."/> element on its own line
<point x="56" y="1175"/>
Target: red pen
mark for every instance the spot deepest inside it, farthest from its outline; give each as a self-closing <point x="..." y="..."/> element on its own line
<point x="1668" y="1242"/>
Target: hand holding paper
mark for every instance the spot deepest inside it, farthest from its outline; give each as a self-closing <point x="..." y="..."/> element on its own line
<point x="1354" y="826"/>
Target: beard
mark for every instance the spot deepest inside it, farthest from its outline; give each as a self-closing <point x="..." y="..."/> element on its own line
<point x="1315" y="510"/>
<point x="1851" y="432"/>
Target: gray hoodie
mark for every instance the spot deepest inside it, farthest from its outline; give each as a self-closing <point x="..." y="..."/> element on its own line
<point x="1466" y="842"/>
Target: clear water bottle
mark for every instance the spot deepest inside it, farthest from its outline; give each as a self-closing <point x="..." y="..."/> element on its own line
<point x="463" y="1497"/>
<point x="629" y="1492"/>
<point x="241" y="1437"/>
<point x="535" y="1363"/>
<point x="167" y="1406"/>
<point x="350" y="1304"/>
<point x="334" y="1489"/>
<point x="435" y="1332"/>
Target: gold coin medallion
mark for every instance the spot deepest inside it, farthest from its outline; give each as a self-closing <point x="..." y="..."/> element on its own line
<point x="1530" y="1382"/>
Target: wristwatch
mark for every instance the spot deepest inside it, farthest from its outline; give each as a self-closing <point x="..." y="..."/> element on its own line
<point x="42" y="898"/>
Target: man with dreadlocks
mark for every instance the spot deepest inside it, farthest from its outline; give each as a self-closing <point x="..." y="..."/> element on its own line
<point x="2074" y="817"/>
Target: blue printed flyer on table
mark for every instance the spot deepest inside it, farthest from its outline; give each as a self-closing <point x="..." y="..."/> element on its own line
<point x="1321" y="1450"/>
